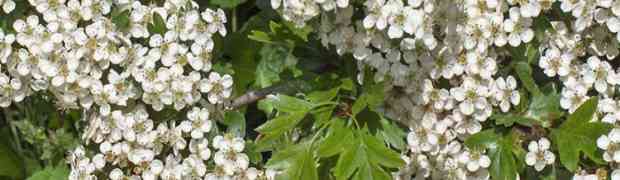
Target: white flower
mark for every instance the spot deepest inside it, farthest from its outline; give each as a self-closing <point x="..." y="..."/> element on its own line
<point x="506" y="93"/>
<point x="474" y="160"/>
<point x="539" y="155"/>
<point x="555" y="62"/>
<point x="600" y="74"/>
<point x="8" y="6"/>
<point x="200" y="123"/>
<point x="610" y="143"/>
<point x="518" y="28"/>
<point x="615" y="175"/>
<point x="218" y="87"/>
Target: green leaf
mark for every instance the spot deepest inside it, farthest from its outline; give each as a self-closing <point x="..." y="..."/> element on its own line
<point x="364" y="157"/>
<point x="306" y="167"/>
<point x="577" y="134"/>
<point x="349" y="161"/>
<point x="284" y="103"/>
<point x="378" y="153"/>
<point x="371" y="172"/>
<point x="545" y="108"/>
<point x="121" y="20"/>
<point x="542" y="24"/>
<point x="49" y="173"/>
<point x="10" y="163"/>
<point x="482" y="140"/>
<point x="260" y="36"/>
<point x="243" y="54"/>
<point x="273" y="61"/>
<point x="509" y="119"/>
<point x="281" y="123"/>
<point x="235" y="122"/>
<point x="297" y="161"/>
<point x="524" y="72"/>
<point x="323" y="96"/>
<point x="251" y="150"/>
<point x="501" y="151"/>
<point x="323" y="113"/>
<point x="371" y="98"/>
<point x="158" y="26"/>
<point x="393" y="135"/>
<point x="301" y="32"/>
<point x="284" y="158"/>
<point x="503" y="162"/>
<point x="337" y="140"/>
<point x="227" y="3"/>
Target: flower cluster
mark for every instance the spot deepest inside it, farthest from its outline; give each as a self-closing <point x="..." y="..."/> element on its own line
<point x="99" y="63"/>
<point x="440" y="60"/>
<point x="120" y="61"/>
<point x="134" y="146"/>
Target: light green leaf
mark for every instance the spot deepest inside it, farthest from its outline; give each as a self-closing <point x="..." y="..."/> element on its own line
<point x="284" y="158"/>
<point x="288" y="104"/>
<point x="378" y="153"/>
<point x="323" y="96"/>
<point x="281" y="123"/>
<point x="371" y="172"/>
<point x="349" y="161"/>
<point x="371" y="98"/>
<point x="338" y="139"/>
<point x="393" y="135"/>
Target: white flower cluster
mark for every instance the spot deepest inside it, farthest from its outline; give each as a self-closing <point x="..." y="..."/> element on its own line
<point x="132" y="146"/>
<point x="105" y="58"/>
<point x="99" y="63"/>
<point x="441" y="60"/>
<point x="300" y="11"/>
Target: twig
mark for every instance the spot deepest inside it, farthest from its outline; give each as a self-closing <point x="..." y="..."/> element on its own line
<point x="234" y="19"/>
<point x="256" y="95"/>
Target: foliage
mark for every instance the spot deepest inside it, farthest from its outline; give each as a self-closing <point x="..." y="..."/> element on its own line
<point x="318" y="95"/>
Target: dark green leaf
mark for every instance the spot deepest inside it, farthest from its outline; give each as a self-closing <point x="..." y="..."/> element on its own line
<point x="235" y="122"/>
<point x="482" y="140"/>
<point x="577" y="134"/>
<point x="49" y="173"/>
<point x="121" y="20"/>
<point x="227" y="3"/>
<point x="524" y="72"/>
<point x="158" y="26"/>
